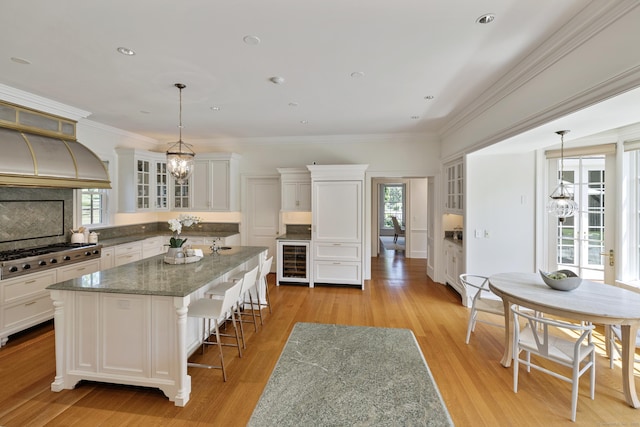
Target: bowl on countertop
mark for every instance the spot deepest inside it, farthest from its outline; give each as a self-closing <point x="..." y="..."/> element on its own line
<point x="571" y="282"/>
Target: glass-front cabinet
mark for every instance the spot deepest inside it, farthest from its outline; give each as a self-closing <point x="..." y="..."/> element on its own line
<point x="143" y="181"/>
<point x="454" y="187"/>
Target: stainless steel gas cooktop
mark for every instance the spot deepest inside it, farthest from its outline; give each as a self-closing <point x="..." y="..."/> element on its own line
<point x="17" y="262"/>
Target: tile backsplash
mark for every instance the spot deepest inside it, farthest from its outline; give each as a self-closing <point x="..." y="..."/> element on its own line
<point x="34" y="216"/>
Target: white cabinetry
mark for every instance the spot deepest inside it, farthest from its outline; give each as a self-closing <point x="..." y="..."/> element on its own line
<point x="107" y="258"/>
<point x="337" y="223"/>
<point x="454" y="187"/>
<point x="216" y="182"/>
<point x="24" y="302"/>
<point x="296" y="189"/>
<point x="128" y="252"/>
<point x="142" y="180"/>
<point x="78" y="269"/>
<point x="454" y="266"/>
<point x="153" y="246"/>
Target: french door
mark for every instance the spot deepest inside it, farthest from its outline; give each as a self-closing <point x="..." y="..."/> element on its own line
<point x="584" y="243"/>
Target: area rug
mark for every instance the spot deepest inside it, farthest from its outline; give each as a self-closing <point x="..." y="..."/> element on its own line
<point x="335" y="375"/>
<point x="387" y="243"/>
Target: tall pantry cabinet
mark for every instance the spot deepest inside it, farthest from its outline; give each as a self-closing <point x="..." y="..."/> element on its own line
<point x="337" y="199"/>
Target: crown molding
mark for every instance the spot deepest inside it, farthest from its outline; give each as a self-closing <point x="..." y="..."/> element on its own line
<point x="35" y="102"/>
<point x="614" y="86"/>
<point x="591" y="20"/>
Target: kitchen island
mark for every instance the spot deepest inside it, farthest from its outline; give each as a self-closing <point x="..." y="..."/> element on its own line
<point x="129" y="325"/>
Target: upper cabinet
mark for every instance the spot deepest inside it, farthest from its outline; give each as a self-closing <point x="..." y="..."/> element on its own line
<point x="143" y="181"/>
<point x="296" y="189"/>
<point x="454" y="187"/>
<point x="144" y="184"/>
<point x="216" y="179"/>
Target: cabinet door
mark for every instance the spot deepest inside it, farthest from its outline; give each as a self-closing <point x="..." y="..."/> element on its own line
<point x="161" y="186"/>
<point x="143" y="173"/>
<point x="337" y="211"/>
<point x="201" y="187"/>
<point x="289" y="196"/>
<point x="304" y="196"/>
<point x="182" y="194"/>
<point x="107" y="258"/>
<point x="220" y="197"/>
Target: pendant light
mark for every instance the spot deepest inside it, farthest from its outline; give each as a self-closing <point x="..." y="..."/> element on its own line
<point x="180" y="156"/>
<point x="561" y="203"/>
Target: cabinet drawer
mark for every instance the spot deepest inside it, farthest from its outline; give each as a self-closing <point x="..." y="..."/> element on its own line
<point x="77" y="270"/>
<point x="347" y="273"/>
<point x="153" y="246"/>
<point x="25" y="287"/>
<point x="338" y="251"/>
<point x="37" y="309"/>
<point x="128" y="248"/>
<point x="127" y="258"/>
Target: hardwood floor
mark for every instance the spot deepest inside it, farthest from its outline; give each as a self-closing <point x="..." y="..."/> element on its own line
<point x="475" y="387"/>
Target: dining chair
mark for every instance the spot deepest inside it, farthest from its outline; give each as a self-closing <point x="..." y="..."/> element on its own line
<point x="613" y="334"/>
<point x="551" y="339"/>
<point x="483" y="301"/>
<point x="217" y="311"/>
<point x="397" y="229"/>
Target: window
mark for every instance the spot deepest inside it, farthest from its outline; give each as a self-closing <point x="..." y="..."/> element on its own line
<point x="93" y="205"/>
<point x="393" y="204"/>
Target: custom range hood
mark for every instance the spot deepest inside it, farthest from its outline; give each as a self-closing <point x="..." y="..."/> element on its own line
<point x="40" y="150"/>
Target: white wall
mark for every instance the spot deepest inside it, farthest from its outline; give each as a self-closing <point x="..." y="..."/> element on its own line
<point x="417" y="215"/>
<point x="501" y="201"/>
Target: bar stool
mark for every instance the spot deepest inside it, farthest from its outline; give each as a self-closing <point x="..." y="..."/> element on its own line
<point x="249" y="282"/>
<point x="262" y="280"/>
<point x="218" y="311"/>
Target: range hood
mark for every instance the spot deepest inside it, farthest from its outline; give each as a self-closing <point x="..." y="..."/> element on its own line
<point x="33" y="160"/>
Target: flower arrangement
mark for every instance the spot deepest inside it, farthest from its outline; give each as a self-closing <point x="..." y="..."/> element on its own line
<point x="176" y="225"/>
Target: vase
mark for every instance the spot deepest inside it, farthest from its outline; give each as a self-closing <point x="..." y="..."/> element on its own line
<point x="175" y="253"/>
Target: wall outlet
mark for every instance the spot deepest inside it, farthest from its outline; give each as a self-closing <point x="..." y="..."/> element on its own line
<point x="486" y="234"/>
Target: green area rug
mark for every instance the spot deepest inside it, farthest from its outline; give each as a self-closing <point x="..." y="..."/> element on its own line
<point x="334" y="375"/>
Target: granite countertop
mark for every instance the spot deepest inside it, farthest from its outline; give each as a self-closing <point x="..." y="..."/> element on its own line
<point x="294" y="236"/>
<point x="452" y="240"/>
<point x="141" y="236"/>
<point x="152" y="276"/>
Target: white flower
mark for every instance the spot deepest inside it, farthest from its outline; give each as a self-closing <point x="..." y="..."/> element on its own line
<point x="175" y="225"/>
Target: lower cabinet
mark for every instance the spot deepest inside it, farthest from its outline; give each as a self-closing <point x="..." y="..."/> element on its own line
<point x="78" y="269"/>
<point x="153" y="246"/>
<point x="337" y="263"/>
<point x="126" y="253"/>
<point x="454" y="266"/>
<point x="25" y="302"/>
<point x="107" y="258"/>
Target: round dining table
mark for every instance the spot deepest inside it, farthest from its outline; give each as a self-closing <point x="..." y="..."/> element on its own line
<point x="590" y="302"/>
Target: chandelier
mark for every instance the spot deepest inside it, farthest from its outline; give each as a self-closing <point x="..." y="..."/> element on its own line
<point x="180" y="156"/>
<point x="561" y="203"/>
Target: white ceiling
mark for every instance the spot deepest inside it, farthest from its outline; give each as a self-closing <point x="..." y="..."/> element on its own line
<point x="407" y="50"/>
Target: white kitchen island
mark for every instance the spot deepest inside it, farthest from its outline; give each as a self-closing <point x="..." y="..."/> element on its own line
<point x="128" y="324"/>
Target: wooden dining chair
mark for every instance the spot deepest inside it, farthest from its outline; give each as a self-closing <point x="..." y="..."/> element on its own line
<point x="537" y="337"/>
<point x="613" y="334"/>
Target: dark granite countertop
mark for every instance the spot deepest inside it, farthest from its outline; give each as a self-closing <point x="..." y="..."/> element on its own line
<point x="452" y="240"/>
<point x="141" y="236"/>
<point x="295" y="236"/>
<point x="152" y="276"/>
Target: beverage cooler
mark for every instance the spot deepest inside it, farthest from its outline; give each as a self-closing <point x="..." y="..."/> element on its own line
<point x="293" y="262"/>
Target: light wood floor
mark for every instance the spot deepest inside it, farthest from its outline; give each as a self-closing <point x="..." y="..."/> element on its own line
<point x="476" y="388"/>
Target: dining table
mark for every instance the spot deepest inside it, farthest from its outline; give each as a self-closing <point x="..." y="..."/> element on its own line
<point x="590" y="302"/>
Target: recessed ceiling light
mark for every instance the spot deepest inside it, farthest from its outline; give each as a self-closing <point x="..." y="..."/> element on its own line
<point x="215" y="108"/>
<point x="487" y="18"/>
<point x="415" y="117"/>
<point x="429" y="97"/>
<point x="304" y="122"/>
<point x="293" y="104"/>
<point x="276" y="80"/>
<point x="20" y="60"/>
<point x="252" y="40"/>
<point x="126" y="51"/>
<point x="357" y="74"/>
